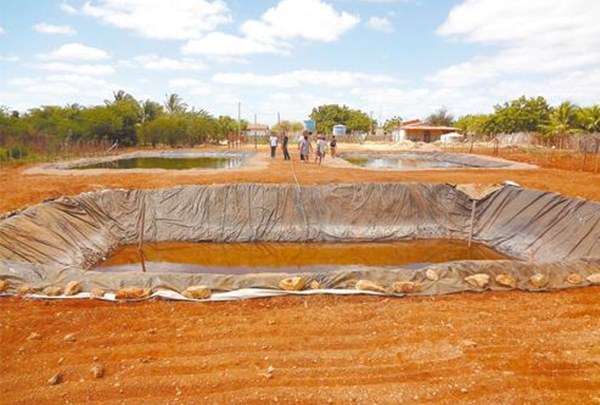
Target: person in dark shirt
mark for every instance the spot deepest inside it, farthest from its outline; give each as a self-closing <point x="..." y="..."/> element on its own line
<point x="333" y="146"/>
<point x="284" y="146"/>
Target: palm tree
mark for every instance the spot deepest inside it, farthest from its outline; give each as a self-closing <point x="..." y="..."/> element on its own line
<point x="150" y="110"/>
<point x="441" y="118"/>
<point x="119" y="95"/>
<point x="589" y="118"/>
<point x="174" y="104"/>
<point x="563" y="121"/>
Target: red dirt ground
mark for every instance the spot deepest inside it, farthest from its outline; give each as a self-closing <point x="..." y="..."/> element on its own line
<point x="18" y="190"/>
<point x="481" y="348"/>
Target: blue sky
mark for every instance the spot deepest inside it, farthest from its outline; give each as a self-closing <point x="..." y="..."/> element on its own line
<point x="406" y="57"/>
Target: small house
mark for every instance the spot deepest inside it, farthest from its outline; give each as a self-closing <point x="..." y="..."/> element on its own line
<point x="418" y="131"/>
<point x="339" y="130"/>
<point x="257" y="130"/>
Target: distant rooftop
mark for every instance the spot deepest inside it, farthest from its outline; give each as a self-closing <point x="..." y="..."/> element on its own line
<point x="422" y="126"/>
<point x="257" y="127"/>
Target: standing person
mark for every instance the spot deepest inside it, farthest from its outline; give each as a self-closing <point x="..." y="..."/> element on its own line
<point x="304" y="148"/>
<point x="321" y="148"/>
<point x="273" y="142"/>
<point x="333" y="146"/>
<point x="284" y="146"/>
<point x="317" y="151"/>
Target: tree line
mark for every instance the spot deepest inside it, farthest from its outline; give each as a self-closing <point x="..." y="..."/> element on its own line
<point x="329" y="115"/>
<point x="529" y="115"/>
<point x="123" y="121"/>
<point x="533" y="115"/>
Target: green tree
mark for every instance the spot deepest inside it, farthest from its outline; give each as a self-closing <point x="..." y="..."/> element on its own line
<point x="101" y="123"/>
<point x="130" y="113"/>
<point x="588" y="119"/>
<point x="520" y="115"/>
<point x="174" y="104"/>
<point x="166" y="129"/>
<point x="201" y="127"/>
<point x="440" y="118"/>
<point x="151" y="110"/>
<point x="473" y="124"/>
<point x="226" y="126"/>
<point x="326" y="116"/>
<point x="562" y="122"/>
<point x="392" y="123"/>
<point x="120" y="95"/>
<point x="288" y="126"/>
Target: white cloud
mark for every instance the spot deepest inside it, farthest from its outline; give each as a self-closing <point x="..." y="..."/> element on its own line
<point x="313" y="20"/>
<point x="191" y="86"/>
<point x="67" y="8"/>
<point x="534" y="37"/>
<point x="382" y="24"/>
<point x="56" y="89"/>
<point x="159" y="19"/>
<point x="2" y="31"/>
<point x="81" y="69"/>
<point x="155" y="62"/>
<point x="9" y="58"/>
<point x="220" y="44"/>
<point x="54" y="29"/>
<point x="299" y="78"/>
<point x="76" y="52"/>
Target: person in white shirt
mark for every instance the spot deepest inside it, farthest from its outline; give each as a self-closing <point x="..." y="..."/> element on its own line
<point x="321" y="149"/>
<point x="305" y="147"/>
<point x="273" y="142"/>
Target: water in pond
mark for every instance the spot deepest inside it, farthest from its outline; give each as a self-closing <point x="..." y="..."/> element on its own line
<point x="400" y="163"/>
<point x="237" y="258"/>
<point x="170" y="163"/>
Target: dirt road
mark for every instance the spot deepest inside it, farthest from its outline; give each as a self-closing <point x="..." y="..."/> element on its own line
<point x="487" y="348"/>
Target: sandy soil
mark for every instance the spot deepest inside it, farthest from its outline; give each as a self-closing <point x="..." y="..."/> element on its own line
<point x="18" y="190"/>
<point x="556" y="159"/>
<point x="482" y="348"/>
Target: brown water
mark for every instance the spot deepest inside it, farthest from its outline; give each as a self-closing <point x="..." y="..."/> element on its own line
<point x="236" y="258"/>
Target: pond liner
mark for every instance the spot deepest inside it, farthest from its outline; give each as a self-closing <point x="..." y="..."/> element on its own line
<point x="81" y="166"/>
<point x="550" y="236"/>
<point x="462" y="160"/>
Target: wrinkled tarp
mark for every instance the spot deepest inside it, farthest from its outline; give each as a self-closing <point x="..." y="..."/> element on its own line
<point x="76" y="164"/>
<point x="460" y="159"/>
<point x="250" y="160"/>
<point x="59" y="241"/>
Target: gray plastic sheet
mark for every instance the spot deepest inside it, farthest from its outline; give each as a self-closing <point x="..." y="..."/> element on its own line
<point x="60" y="241"/>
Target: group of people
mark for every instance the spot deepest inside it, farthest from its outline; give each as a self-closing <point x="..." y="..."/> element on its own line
<point x="305" y="147"/>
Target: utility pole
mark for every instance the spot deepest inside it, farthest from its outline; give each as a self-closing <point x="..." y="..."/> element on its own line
<point x="239" y="124"/>
<point x="370" y="122"/>
<point x="255" y="134"/>
<point x="279" y="124"/>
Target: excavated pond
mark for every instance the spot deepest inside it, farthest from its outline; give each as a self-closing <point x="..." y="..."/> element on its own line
<point x="151" y="162"/>
<point x="399" y="163"/>
<point x="234" y="241"/>
<point x="240" y="258"/>
<point x="419" y="160"/>
<point x="168" y="163"/>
